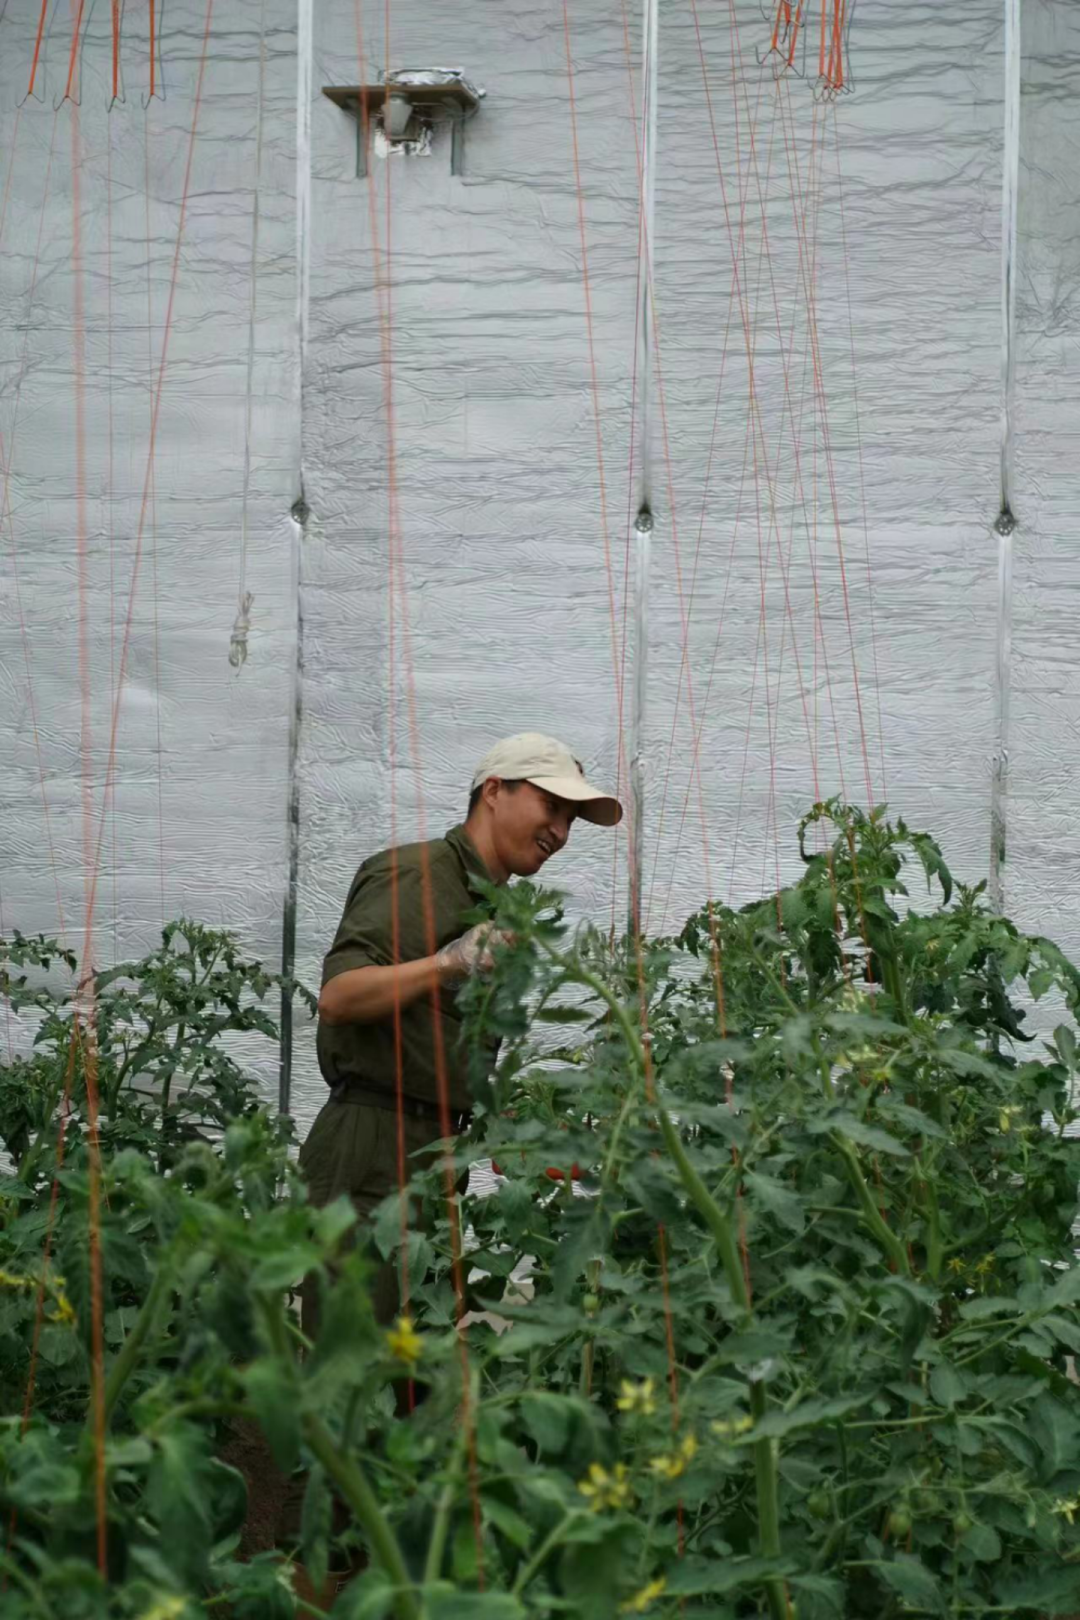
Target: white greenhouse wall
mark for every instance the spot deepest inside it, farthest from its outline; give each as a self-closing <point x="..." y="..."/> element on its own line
<point x="498" y="482"/>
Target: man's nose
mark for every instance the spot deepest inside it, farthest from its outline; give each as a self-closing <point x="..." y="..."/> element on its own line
<point x="560" y="826"/>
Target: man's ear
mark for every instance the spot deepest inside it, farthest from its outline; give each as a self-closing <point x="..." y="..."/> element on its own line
<point x="490" y="791"/>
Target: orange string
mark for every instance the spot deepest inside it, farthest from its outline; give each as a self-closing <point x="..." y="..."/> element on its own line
<point x="97" y="1332"/>
<point x="37" y="47"/>
<point x="148" y="478"/>
<point x="427" y="895"/>
<point x="115" y="50"/>
<point x="74" y="49"/>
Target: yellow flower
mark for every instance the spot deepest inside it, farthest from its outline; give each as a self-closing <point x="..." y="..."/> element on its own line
<point x="403" y="1342"/>
<point x="637" y="1397"/>
<point x="169" y="1608"/>
<point x="607" y="1490"/>
<point x="1068" y="1508"/>
<point x="956" y="1265"/>
<point x="738" y="1425"/>
<point x="985" y="1265"/>
<point x="65" y="1310"/>
<point x="645" y="1598"/>
<point x="8" y="1279"/>
<point x="671" y="1464"/>
<point x="1006" y="1117"/>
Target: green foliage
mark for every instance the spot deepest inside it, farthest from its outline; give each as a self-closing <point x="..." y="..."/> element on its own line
<point x="795" y="1339"/>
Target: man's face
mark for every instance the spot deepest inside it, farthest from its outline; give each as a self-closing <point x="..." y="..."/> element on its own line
<point x="529" y="826"/>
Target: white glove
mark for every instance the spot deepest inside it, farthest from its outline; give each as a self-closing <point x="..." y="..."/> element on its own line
<point x="472" y="952"/>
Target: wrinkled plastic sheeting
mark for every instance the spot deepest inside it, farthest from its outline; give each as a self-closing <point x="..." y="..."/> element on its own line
<point x="196" y="818"/>
<point x="896" y="406"/>
<point x="501" y="518"/>
<point x="1042" y="864"/>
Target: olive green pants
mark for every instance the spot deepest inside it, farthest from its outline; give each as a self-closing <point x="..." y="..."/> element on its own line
<point x="352" y="1149"/>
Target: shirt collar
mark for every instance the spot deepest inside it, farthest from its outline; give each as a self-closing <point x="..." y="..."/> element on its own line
<point x="468" y="854"/>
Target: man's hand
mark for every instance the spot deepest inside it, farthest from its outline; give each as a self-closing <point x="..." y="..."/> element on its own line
<point x="470" y="954"/>
<point x="367" y="994"/>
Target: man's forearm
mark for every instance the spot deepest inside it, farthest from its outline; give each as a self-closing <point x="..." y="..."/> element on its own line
<point x="368" y="994"/>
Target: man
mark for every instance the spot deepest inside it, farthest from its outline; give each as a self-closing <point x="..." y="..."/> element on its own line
<point x="401" y="938"/>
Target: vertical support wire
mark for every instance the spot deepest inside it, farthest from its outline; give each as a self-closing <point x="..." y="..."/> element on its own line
<point x="643" y="528"/>
<point x="300" y="514"/>
<point x="1005" y="526"/>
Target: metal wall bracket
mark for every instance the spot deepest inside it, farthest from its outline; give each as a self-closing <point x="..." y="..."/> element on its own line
<point x="407" y="107"/>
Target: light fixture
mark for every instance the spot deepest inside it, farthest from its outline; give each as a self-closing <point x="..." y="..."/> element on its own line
<point x="408" y="103"/>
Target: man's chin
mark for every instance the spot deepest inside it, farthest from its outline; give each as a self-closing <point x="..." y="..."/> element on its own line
<point x="529" y="865"/>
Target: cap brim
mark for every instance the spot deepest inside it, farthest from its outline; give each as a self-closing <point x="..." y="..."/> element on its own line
<point x="592" y="803"/>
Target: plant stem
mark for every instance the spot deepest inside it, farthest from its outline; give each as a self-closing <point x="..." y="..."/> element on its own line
<point x="126" y="1361"/>
<point x="441" y="1527"/>
<point x="934" y="1252"/>
<point x="349" y="1478"/>
<point x="727" y="1249"/>
<point x="710" y="1211"/>
<point x="546" y="1547"/>
<point x="894" y="1249"/>
<point x="351" y="1481"/>
<point x="768" y="1499"/>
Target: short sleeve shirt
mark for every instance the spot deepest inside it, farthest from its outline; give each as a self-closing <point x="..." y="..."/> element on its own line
<point x="386" y="920"/>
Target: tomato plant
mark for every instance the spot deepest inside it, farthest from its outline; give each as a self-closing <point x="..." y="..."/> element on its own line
<point x="797" y="1330"/>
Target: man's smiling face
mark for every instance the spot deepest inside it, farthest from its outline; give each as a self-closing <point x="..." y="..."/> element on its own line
<point x="528" y="826"/>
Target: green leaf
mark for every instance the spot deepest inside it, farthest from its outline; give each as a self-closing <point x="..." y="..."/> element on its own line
<point x="1050" y="1589"/>
<point x="566" y="1015"/>
<point x="45" y="1484"/>
<point x="443" y="1603"/>
<point x="274" y="1394"/>
<point x="284" y="1268"/>
<point x="315" y="1525"/>
<point x="810" y="1414"/>
<point x="583" y="1242"/>
<point x="334" y="1220"/>
<point x="509" y="1522"/>
<point x="57" y="1345"/>
<point x="1014" y="1440"/>
<point x="1056" y="1431"/>
<point x="912" y="1118"/>
<point x="913" y="1582"/>
<point x="980" y="1306"/>
<point x="856" y="1130"/>
<point x="592" y="1574"/>
<point x="933" y="862"/>
<point x="178" y="1497"/>
<point x="1065" y="1330"/>
<point x="982" y="1543"/>
<point x="969" y="1064"/>
<point x="1065" y="1041"/>
<point x="548" y="1419"/>
<point x="777" y="1199"/>
<point x="948" y="1386"/>
<point x="1066" y="1290"/>
<point x="710" y="1577"/>
<point x="465" y="1553"/>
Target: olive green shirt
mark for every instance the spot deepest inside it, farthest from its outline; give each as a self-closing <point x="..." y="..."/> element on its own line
<point x="364" y="1054"/>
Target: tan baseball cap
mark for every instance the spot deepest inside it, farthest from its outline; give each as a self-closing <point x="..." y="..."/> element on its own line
<point x="546" y="763"/>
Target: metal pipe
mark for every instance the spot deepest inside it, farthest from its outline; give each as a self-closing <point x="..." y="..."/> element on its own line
<point x="643" y="527"/>
<point x="1005" y="526"/>
<point x="304" y="85"/>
